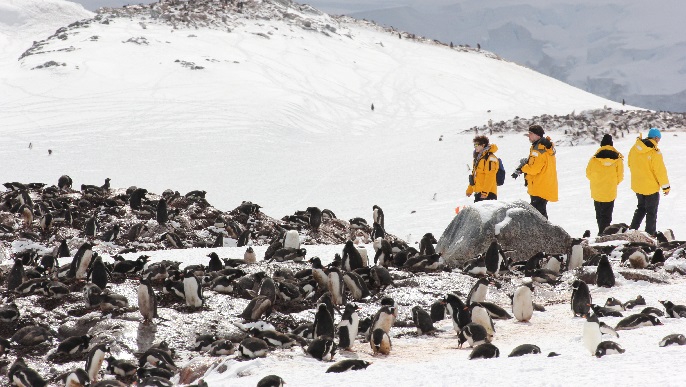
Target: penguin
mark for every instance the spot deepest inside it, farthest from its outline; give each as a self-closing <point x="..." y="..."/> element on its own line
<point x="323" y="322"/>
<point x="271" y="381"/>
<point x="273" y="337"/>
<point x="135" y="231"/>
<point x="112" y="234"/>
<point x="437" y="311"/>
<point x="73" y="345"/>
<point x="98" y="273"/>
<point x="192" y="290"/>
<point x="613" y="303"/>
<point x="322" y="348"/>
<point x="94" y="361"/>
<point x="203" y="343"/>
<point x="383" y="319"/>
<point x="402" y="256"/>
<point x="426" y="244"/>
<point x="318" y="272"/>
<point x="607" y="330"/>
<point x="147" y="302"/>
<point x="380" y="277"/>
<point x="672" y="339"/>
<point x="150" y="371"/>
<point x="26" y="215"/>
<point x="91" y="227"/>
<point x="328" y="214"/>
<point x="654" y="311"/>
<point x="605" y="276"/>
<point x="638" y="259"/>
<point x="257" y="307"/>
<point x="525" y="349"/>
<point x="136" y="198"/>
<point x="161" y="213"/>
<point x="602" y="311"/>
<point x="92" y="294"/>
<point x="16" y="275"/>
<point x="458" y="311"/>
<point x="377" y="232"/>
<point x="424" y="262"/>
<point x="480" y="315"/>
<point x="9" y="313"/>
<point x="335" y="286"/>
<point x="475" y="267"/>
<point x="479" y="291"/>
<point x="348" y="365"/>
<point x="494" y="257"/>
<point x="474" y="334"/>
<point x="31" y="335"/>
<point x="484" y="351"/>
<point x="32" y="286"/>
<point x="222" y="347"/>
<point x="378" y="216"/>
<point x="351" y="258"/>
<point x="288" y="291"/>
<point x="291" y="240"/>
<point x="244" y="238"/>
<point x="63" y="249"/>
<point x="121" y="368"/>
<point x="422" y="321"/>
<point x="110" y="301"/>
<point x="76" y="378"/>
<point x="591" y="333"/>
<point x="128" y="266"/>
<point x="158" y="356"/>
<point x="384" y="254"/>
<point x="215" y="263"/>
<point x="581" y="298"/>
<point x="639" y="300"/>
<point x="222" y="284"/>
<point x="576" y="258"/>
<point x="522" y="302"/>
<point x="616" y="228"/>
<point x="608" y="348"/>
<point x="315" y="217"/>
<point x="637" y="320"/>
<point x="675" y="311"/>
<point x="356" y="285"/>
<point x="253" y="347"/>
<point x="64" y="182"/>
<point x="249" y="256"/>
<point x="495" y="311"/>
<point x="658" y="257"/>
<point x="81" y="261"/>
<point x="380" y="342"/>
<point x="268" y="289"/>
<point x="554" y="263"/>
<point x="347" y="328"/>
<point x="46" y="222"/>
<point x="22" y="375"/>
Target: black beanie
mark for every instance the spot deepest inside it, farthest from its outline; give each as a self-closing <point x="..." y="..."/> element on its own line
<point x="607" y="140"/>
<point x="537" y="130"/>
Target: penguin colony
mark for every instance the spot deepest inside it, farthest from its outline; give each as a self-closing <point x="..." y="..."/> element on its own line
<point x="280" y="304"/>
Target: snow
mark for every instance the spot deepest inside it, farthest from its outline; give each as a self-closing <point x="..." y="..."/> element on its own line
<point x="285" y="122"/>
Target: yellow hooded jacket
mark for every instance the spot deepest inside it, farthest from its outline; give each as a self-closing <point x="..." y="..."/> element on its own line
<point x="541" y="172"/>
<point x="484" y="171"/>
<point x="605" y="170"/>
<point x="648" y="172"/>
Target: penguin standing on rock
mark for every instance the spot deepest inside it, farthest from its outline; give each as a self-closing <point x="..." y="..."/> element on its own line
<point x="522" y="302"/>
<point x="249" y="256"/>
<point x="605" y="275"/>
<point x="581" y="298"/>
<point x="323" y="322"/>
<point x="479" y="291"/>
<point x="495" y="258"/>
<point x="94" y="360"/>
<point x="16" y="275"/>
<point x="348" y="326"/>
<point x="81" y="261"/>
<point x="98" y="272"/>
<point x="192" y="289"/>
<point x="458" y="311"/>
<point x="335" y="286"/>
<point x="378" y="215"/>
<point x="147" y="302"/>
<point x="161" y="213"/>
<point x="422" y="320"/>
<point x="351" y="258"/>
<point x="315" y="217"/>
<point x="426" y="244"/>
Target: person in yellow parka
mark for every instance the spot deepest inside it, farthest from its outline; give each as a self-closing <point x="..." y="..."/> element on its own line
<point x="605" y="170"/>
<point x="540" y="170"/>
<point x="648" y="176"/>
<point x="482" y="181"/>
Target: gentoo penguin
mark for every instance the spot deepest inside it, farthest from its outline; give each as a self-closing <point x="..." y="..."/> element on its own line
<point x="136" y="198"/>
<point x="249" y="256"/>
<point x="351" y="258"/>
<point x="608" y="330"/>
<point x="31" y="335"/>
<point x="672" y="339"/>
<point x="581" y="299"/>
<point x="203" y="343"/>
<point x="591" y="334"/>
<point x="479" y="291"/>
<point x="613" y="303"/>
<point x="92" y="295"/>
<point x="458" y="311"/>
<point x="291" y="240"/>
<point x="159" y="357"/>
<point x="554" y="263"/>
<point x="437" y="311"/>
<point x="639" y="300"/>
<point x="257" y="307"/>
<point x="192" y="290"/>
<point x="602" y="311"/>
<point x="91" y="227"/>
<point x="474" y="334"/>
<point x="76" y="378"/>
<point x="675" y="311"/>
<point x="605" y="275"/>
<point x="522" y="302"/>
<point x="378" y="216"/>
<point x="81" y="261"/>
<point x="484" y="351"/>
<point x="271" y="381"/>
<point x="73" y="345"/>
<point x="26" y="215"/>
<point x="222" y="347"/>
<point x="426" y="244"/>
<point x="377" y="232"/>
<point x="422" y="320"/>
<point x="348" y="365"/>
<point x="335" y="286"/>
<point x="244" y="238"/>
<point x="252" y="347"/>
<point x="315" y="217"/>
<point x="637" y="320"/>
<point x="480" y="315"/>
<point x="63" y="249"/>
<point x="495" y="258"/>
<point x="356" y="285"/>
<point x="98" y="272"/>
<point x="364" y="255"/>
<point x="110" y="301"/>
<point x="476" y="266"/>
<point x="657" y="257"/>
<point x="608" y="348"/>
<point x="94" y="360"/>
<point x="525" y="349"/>
<point x="64" y="182"/>
<point x="147" y="302"/>
<point x="380" y="277"/>
<point x="576" y="258"/>
<point x="112" y="234"/>
<point x="46" y="222"/>
<point x="638" y="259"/>
<point x="120" y="368"/>
<point x="154" y="381"/>
<point x="322" y="348"/>
<point x="380" y="342"/>
<point x="654" y="311"/>
<point x="318" y="272"/>
<point x="274" y="338"/>
<point x="21" y="375"/>
<point x="135" y="231"/>
<point x="215" y="263"/>
<point x="161" y="213"/>
<point x="323" y="322"/>
<point x="616" y="228"/>
<point x="495" y="311"/>
<point x="9" y="312"/>
<point x="347" y="328"/>
<point x="16" y="275"/>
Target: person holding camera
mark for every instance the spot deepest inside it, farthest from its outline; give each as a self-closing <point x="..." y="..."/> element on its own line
<point x="540" y="170"/>
<point x="482" y="180"/>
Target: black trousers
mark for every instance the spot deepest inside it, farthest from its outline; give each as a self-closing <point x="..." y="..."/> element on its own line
<point x="478" y="198"/>
<point x="603" y="214"/>
<point x="646" y="208"/>
<point x="540" y="204"/>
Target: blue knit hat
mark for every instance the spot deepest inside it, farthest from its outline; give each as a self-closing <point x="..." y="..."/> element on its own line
<point x="654" y="133"/>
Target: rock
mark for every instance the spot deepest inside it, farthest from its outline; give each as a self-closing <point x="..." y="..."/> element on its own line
<point x="196" y="368"/>
<point x="516" y="225"/>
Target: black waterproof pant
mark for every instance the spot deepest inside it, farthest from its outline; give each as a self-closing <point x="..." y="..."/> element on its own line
<point x="647" y="207"/>
<point x="540" y="204"/>
<point x="603" y="214"/>
<point x="491" y="196"/>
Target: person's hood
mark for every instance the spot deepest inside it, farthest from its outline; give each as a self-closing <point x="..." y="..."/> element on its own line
<point x="645" y="145"/>
<point x="608" y="153"/>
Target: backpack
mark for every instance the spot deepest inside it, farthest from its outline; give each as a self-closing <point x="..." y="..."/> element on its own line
<point x="500" y="175"/>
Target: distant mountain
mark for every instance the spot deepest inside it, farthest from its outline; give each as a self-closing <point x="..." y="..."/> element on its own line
<point x="631" y="50"/>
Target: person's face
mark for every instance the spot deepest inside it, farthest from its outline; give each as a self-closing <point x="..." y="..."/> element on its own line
<point x="533" y="137"/>
<point x="478" y="147"/>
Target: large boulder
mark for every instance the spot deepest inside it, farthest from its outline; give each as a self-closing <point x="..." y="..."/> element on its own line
<point x="516" y="225"/>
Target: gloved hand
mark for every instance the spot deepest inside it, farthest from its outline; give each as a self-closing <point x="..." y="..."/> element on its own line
<point x="665" y="191"/>
<point x="523" y="161"/>
<point x="516" y="173"/>
<point x="545" y="141"/>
